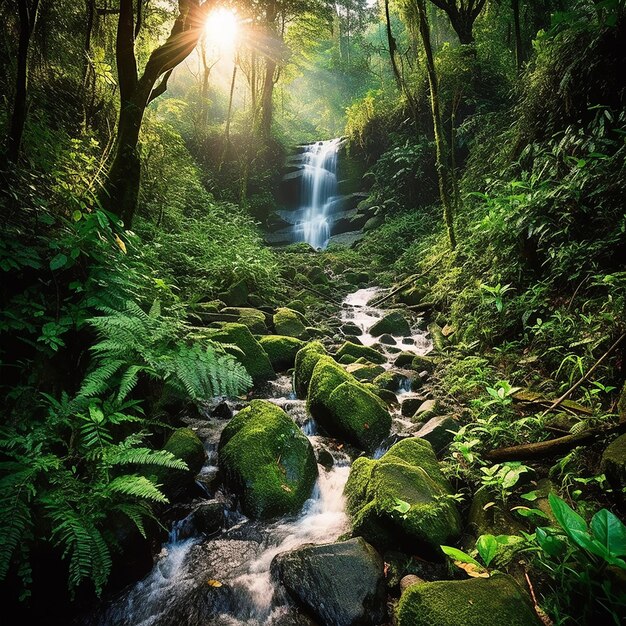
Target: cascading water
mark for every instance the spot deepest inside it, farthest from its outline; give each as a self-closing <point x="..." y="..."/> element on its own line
<point x="319" y="190"/>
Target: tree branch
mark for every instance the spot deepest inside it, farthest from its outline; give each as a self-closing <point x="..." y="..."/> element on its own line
<point x="161" y="88"/>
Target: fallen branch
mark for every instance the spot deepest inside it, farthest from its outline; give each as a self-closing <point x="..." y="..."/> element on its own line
<point x="552" y="447"/>
<point x="583" y="378"/>
<point x="406" y="283"/>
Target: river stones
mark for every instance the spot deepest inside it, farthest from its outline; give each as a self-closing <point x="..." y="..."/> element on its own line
<point x="291" y="323"/>
<point x="267" y="461"/>
<point x="393" y="323"/>
<point x="250" y="353"/>
<point x="305" y="361"/>
<point x="491" y="601"/>
<point x="408" y="472"/>
<point x="345" y="408"/>
<point x="252" y="318"/>
<point x="206" y="519"/>
<point x="357" y="351"/>
<point x="341" y="584"/>
<point x="365" y="371"/>
<point x="281" y="350"/>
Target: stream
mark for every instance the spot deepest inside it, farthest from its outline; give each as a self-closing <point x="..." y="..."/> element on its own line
<point x="225" y="580"/>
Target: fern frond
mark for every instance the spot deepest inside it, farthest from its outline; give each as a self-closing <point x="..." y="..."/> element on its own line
<point x="145" y="456"/>
<point x="137" y="513"/>
<point x="137" y="486"/>
<point x="16" y="521"/>
<point x="96" y="381"/>
<point x="128" y="382"/>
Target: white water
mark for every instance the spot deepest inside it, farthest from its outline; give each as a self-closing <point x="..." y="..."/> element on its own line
<point x="319" y="190"/>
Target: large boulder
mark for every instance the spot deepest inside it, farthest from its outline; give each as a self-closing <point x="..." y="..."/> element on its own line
<point x="291" y="323"/>
<point x="494" y="601"/>
<point x="345" y="408"/>
<point x="281" y="350"/>
<point x="393" y="323"/>
<point x="407" y="473"/>
<point x="267" y="461"/>
<point x="185" y="445"/>
<point x="357" y="351"/>
<point x="341" y="584"/>
<point x="249" y="353"/>
<point x="614" y="462"/>
<point x="306" y="359"/>
<point x="365" y="371"/>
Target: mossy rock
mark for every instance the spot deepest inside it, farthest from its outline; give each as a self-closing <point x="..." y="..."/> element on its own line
<point x="317" y="276"/>
<point x="281" y="350"/>
<point x="393" y="323"/>
<point x="407" y="472"/>
<point x="250" y="354"/>
<point x="236" y="295"/>
<point x="614" y="462"/>
<point x="185" y="445"/>
<point x="495" y="601"/>
<point x="346" y="359"/>
<point x="267" y="461"/>
<point x="252" y="318"/>
<point x="365" y="371"/>
<point x="357" y="416"/>
<point x="291" y="323"/>
<point x="493" y="520"/>
<point x="297" y="305"/>
<point x="326" y="376"/>
<point x="357" y="351"/>
<point x="413" y="296"/>
<point x="306" y="358"/>
<point x="391" y="381"/>
<point x="404" y="359"/>
<point x="422" y="363"/>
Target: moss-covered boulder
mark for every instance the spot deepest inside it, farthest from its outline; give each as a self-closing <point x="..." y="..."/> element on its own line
<point x="492" y="520"/>
<point x="357" y="351"/>
<point x="389" y="380"/>
<point x="291" y="323"/>
<point x="250" y="353"/>
<point x="393" y="323"/>
<point x="252" y="318"/>
<point x="326" y="376"/>
<point x="281" y="350"/>
<point x="267" y="461"/>
<point x="407" y="472"/>
<point x="404" y="359"/>
<point x="422" y="363"/>
<point x="614" y="462"/>
<point x="306" y="358"/>
<point x="495" y="601"/>
<point x="185" y="445"/>
<point x="365" y="371"/>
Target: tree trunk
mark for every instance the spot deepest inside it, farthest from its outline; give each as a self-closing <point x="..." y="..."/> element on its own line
<point x="443" y="173"/>
<point x="392" y="47"/>
<point x="270" y="70"/>
<point x="28" y="17"/>
<point x="519" y="51"/>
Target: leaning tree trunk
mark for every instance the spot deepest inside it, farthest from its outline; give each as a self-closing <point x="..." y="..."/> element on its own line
<point x="28" y="17"/>
<point x="519" y="51"/>
<point x="443" y="172"/>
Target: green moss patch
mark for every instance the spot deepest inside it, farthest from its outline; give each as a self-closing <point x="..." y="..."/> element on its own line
<point x="306" y="360"/>
<point x="357" y="351"/>
<point x="281" y="350"/>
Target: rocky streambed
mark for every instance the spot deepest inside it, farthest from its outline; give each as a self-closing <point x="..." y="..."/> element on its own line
<point x="322" y="492"/>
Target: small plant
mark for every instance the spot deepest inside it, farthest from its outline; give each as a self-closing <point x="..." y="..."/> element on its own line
<point x="487" y="548"/>
<point x="501" y="393"/>
<point x="495" y="295"/>
<point x="503" y="477"/>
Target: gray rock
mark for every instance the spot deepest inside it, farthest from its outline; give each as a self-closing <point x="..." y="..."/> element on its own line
<point x="439" y="431"/>
<point x="341" y="584"/>
<point x="393" y="323"/>
<point x="207" y="519"/>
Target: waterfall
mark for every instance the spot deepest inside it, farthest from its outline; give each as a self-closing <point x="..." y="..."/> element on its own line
<point x="318" y="190"/>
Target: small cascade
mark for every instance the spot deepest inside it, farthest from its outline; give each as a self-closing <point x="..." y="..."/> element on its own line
<point x="318" y="192"/>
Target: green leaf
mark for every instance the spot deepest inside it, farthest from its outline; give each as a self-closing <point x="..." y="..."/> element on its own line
<point x="487" y="546"/>
<point x="59" y="261"/>
<point x="402" y="507"/>
<point x="459" y="555"/>
<point x="609" y="531"/>
<point x="569" y="520"/>
<point x="551" y="545"/>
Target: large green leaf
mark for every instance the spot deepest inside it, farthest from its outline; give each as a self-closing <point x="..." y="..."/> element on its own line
<point x="551" y="545"/>
<point x="487" y="546"/>
<point x="610" y="531"/>
<point x="566" y="516"/>
<point x="459" y="555"/>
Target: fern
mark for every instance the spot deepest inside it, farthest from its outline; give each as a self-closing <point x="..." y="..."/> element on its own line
<point x="138" y="487"/>
<point x="145" y="456"/>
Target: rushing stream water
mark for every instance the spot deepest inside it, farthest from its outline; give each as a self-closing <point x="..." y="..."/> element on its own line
<point x="225" y="580"/>
<point x="318" y="193"/>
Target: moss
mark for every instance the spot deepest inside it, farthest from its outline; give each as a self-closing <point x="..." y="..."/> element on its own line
<point x="254" y="358"/>
<point x="438" y="339"/>
<point x="267" y="461"/>
<point x="281" y="350"/>
<point x="493" y="520"/>
<point x="409" y="471"/>
<point x="185" y="445"/>
<point x="357" y="351"/>
<point x="494" y="601"/>
<point x="252" y="318"/>
<point x="423" y="363"/>
<point x="365" y="371"/>
<point x="291" y="323"/>
<point x="297" y="305"/>
<point x="393" y="323"/>
<point x="306" y="360"/>
<point x="404" y="359"/>
<point x="346" y="359"/>
<point x="390" y="381"/>
<point x="614" y="462"/>
<point x="357" y="416"/>
<point x="326" y="377"/>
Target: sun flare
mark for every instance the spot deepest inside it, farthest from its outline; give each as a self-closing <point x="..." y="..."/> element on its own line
<point x="221" y="28"/>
